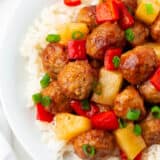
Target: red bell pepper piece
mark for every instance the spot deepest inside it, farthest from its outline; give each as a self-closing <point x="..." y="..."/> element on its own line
<point x="105" y="120"/>
<point x="112" y="58"/>
<point x="72" y="2"/>
<point x="155" y="79"/>
<point x="42" y="114"/>
<point x="77" y="49"/>
<point x="138" y="157"/>
<point x="107" y="11"/>
<point x="77" y="107"/>
<point x="126" y="20"/>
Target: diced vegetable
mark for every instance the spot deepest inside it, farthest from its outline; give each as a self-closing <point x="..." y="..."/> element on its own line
<point x="77" y="49"/>
<point x="129" y="35"/>
<point x="88" y="150"/>
<point x="111" y="82"/>
<point x="107" y="11"/>
<point x="112" y="58"/>
<point x="105" y="121"/>
<point x="69" y="125"/>
<point x="78" y="107"/>
<point x="46" y="101"/>
<point x="131" y="144"/>
<point x="137" y="129"/>
<point x="44" y="82"/>
<point x="155" y="79"/>
<point x="155" y="111"/>
<point x="147" y="11"/>
<point x="122" y="123"/>
<point x="37" y="97"/>
<point x="77" y="35"/>
<point x="53" y="38"/>
<point x="133" y="114"/>
<point x="66" y="31"/>
<point x="42" y="114"/>
<point x="126" y="20"/>
<point x="72" y="2"/>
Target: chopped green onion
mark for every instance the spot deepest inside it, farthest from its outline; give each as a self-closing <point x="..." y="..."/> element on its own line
<point x="85" y="104"/>
<point x="129" y="34"/>
<point x="88" y="150"/>
<point x="53" y="38"/>
<point x="122" y="123"/>
<point x="97" y="88"/>
<point x="45" y="81"/>
<point x="155" y="111"/>
<point x="133" y="114"/>
<point x="149" y="8"/>
<point x="76" y="35"/>
<point x="116" y="61"/>
<point x="37" y="98"/>
<point x="46" y="101"/>
<point x="137" y="130"/>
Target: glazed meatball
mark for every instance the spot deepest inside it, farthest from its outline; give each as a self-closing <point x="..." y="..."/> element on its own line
<point x="60" y="103"/>
<point x="149" y="92"/>
<point x="102" y="141"/>
<point x="138" y="64"/>
<point x="155" y="29"/>
<point x="128" y="99"/>
<point x="140" y="32"/>
<point x="76" y="80"/>
<point x="102" y="37"/>
<point x="151" y="131"/>
<point x="130" y="4"/>
<point x="54" y="58"/>
<point x="88" y="15"/>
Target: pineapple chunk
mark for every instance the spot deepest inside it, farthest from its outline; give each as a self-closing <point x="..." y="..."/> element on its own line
<point x="67" y="29"/>
<point x="110" y="82"/>
<point x="148" y="10"/>
<point x="69" y="125"/>
<point x="131" y="144"/>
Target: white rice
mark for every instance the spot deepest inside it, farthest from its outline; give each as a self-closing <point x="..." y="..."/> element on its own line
<point x="33" y="44"/>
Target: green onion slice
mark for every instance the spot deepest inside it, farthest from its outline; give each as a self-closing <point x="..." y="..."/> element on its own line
<point x="155" y="111"/>
<point x="149" y="8"/>
<point x="37" y="98"/>
<point x="45" y="81"/>
<point x="85" y="104"/>
<point x="137" y="130"/>
<point x="122" y="123"/>
<point x="46" y="101"/>
<point x="53" y="38"/>
<point x="129" y="35"/>
<point x="88" y="150"/>
<point x="116" y="61"/>
<point x="76" y="35"/>
<point x="133" y="114"/>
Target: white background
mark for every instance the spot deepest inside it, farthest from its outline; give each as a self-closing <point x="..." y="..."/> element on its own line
<point x="5" y="11"/>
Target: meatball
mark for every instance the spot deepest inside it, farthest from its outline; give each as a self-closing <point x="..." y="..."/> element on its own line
<point x="138" y="64"/>
<point x="149" y="92"/>
<point x="102" y="141"/>
<point x="102" y="37"/>
<point x="54" y="58"/>
<point x="128" y="99"/>
<point x="140" y="32"/>
<point x="60" y="103"/>
<point x="151" y="131"/>
<point x="155" y="29"/>
<point x="88" y="15"/>
<point x="76" y="80"/>
<point x="130" y="4"/>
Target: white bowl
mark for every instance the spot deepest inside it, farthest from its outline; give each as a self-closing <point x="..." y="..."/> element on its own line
<point x="13" y="78"/>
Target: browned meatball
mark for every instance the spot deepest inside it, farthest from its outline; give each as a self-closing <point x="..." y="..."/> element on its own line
<point x="130" y="4"/>
<point x="149" y="92"/>
<point x="138" y="64"/>
<point x="88" y="15"/>
<point x="60" y="103"/>
<point x="140" y="32"/>
<point x="102" y="37"/>
<point x="54" y="58"/>
<point x="151" y="131"/>
<point x="76" y="79"/>
<point x="128" y="99"/>
<point x="102" y="141"/>
<point x="155" y="29"/>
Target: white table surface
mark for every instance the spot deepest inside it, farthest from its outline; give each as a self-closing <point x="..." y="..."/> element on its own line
<point x="5" y="11"/>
